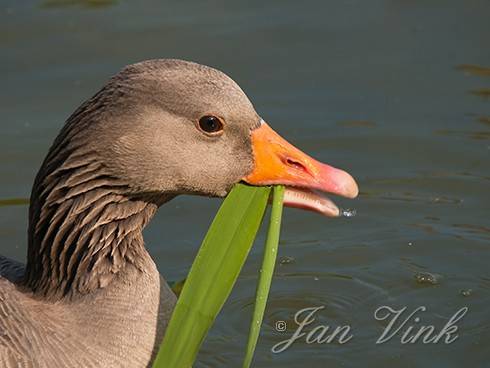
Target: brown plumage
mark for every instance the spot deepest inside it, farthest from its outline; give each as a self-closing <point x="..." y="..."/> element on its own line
<point x="90" y="294"/>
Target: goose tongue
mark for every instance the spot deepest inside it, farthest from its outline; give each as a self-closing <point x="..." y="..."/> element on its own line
<point x="276" y="161"/>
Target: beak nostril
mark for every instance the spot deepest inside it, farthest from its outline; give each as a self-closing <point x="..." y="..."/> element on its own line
<point x="295" y="164"/>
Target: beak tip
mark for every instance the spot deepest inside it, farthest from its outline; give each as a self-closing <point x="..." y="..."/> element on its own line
<point x="339" y="182"/>
<point x="354" y="193"/>
<point x="351" y="189"/>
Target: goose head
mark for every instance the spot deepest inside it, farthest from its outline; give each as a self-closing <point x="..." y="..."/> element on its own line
<point x="174" y="127"/>
<point x="157" y="129"/>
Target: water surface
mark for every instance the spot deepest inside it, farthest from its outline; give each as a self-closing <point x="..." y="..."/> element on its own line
<point x="395" y="92"/>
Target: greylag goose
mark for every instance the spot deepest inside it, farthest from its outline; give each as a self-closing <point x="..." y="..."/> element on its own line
<point x="90" y="294"/>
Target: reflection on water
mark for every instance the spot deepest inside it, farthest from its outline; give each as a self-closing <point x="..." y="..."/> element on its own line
<point x="480" y="135"/>
<point x="467" y="292"/>
<point x="474" y="70"/>
<point x="357" y="123"/>
<point x="82" y="3"/>
<point x="14" y="202"/>
<point x="481" y="92"/>
<point x="395" y="92"/>
<point x="427" y="278"/>
<point x="484" y="120"/>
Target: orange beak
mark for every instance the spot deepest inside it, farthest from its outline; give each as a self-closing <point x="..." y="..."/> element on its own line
<point x="279" y="162"/>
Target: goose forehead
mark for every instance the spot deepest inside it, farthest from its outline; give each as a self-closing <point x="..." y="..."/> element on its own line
<point x="184" y="88"/>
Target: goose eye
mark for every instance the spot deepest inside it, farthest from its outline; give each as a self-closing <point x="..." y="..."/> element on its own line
<point x="210" y="124"/>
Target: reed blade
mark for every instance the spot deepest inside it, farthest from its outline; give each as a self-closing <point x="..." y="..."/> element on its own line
<point x="213" y="274"/>
<point x="266" y="273"/>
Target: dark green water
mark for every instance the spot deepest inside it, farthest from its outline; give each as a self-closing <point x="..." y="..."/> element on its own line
<point x="396" y="92"/>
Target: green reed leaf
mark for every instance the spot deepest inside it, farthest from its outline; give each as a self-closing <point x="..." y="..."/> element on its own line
<point x="213" y="274"/>
<point x="266" y="272"/>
